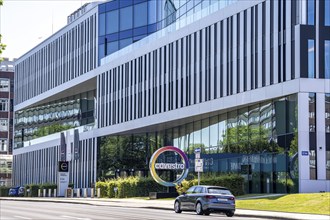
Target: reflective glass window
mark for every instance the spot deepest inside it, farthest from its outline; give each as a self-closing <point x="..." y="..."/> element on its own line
<point x="112" y="22"/>
<point x="141" y="14"/>
<point x="214" y="131"/>
<point x="327" y="58"/>
<point x="3" y="104"/>
<point x="327" y="13"/>
<point x="125" y="42"/>
<point x="112" y="47"/>
<point x="4" y="85"/>
<point x="102" y="24"/>
<point x="310" y="12"/>
<point x="126" y="18"/>
<point x="101" y="51"/>
<point x="312" y="139"/>
<point x="206" y="134"/>
<point x="311" y="59"/>
<point x="3" y="124"/>
<point x="327" y="133"/>
<point x="3" y="144"/>
<point x="152" y="11"/>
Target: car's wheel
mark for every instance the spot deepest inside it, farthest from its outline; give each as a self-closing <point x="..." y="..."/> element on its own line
<point x="177" y="207"/>
<point x="230" y="214"/>
<point x="199" y="208"/>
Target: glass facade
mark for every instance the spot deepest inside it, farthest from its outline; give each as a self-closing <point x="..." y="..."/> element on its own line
<point x="312" y="137"/>
<point x="311" y="59"/>
<point x="327" y="12"/>
<point x="53" y="117"/>
<point x="258" y="141"/>
<point x="311" y="12"/>
<point x="327" y="134"/>
<point x="124" y="22"/>
<point x="327" y="58"/>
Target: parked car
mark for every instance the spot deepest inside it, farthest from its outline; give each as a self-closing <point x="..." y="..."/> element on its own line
<point x="205" y="200"/>
<point x="16" y="191"/>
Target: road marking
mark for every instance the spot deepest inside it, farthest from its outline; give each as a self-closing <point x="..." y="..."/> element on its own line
<point x="72" y="217"/>
<point x="22" y="217"/>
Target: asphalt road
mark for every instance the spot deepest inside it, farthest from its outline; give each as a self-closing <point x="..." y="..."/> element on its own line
<point x="24" y="210"/>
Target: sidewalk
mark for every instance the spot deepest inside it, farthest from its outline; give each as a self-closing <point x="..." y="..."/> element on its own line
<point x="166" y="205"/>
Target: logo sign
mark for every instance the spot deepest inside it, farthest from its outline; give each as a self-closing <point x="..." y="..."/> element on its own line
<point x="153" y="166"/>
<point x="63" y="166"/>
<point x="304" y="153"/>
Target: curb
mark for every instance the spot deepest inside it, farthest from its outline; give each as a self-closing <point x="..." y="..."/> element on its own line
<point x="128" y="205"/>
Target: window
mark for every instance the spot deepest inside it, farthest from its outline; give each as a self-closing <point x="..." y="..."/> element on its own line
<point x="3" y="105"/>
<point x="126" y="18"/>
<point x="112" y="22"/>
<point x="327" y="133"/>
<point x="102" y="24"/>
<point x="311" y="59"/>
<point x="140" y="12"/>
<point x="312" y="137"/>
<point x="4" y="85"/>
<point x="3" y="144"/>
<point x="327" y="58"/>
<point x="3" y="124"/>
<point x="327" y="13"/>
<point x="310" y="12"/>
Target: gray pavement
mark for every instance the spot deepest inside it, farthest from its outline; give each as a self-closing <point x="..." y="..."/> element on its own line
<point x="166" y="205"/>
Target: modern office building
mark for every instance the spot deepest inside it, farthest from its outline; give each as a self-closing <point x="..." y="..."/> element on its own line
<point x="6" y="120"/>
<point x="248" y="82"/>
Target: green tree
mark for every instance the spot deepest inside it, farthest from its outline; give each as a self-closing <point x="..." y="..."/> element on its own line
<point x="247" y="139"/>
<point x="121" y="152"/>
<point x="2" y="46"/>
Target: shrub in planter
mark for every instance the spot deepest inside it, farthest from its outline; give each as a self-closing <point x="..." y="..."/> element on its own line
<point x="103" y="188"/>
<point x="4" y="191"/>
<point x="33" y="189"/>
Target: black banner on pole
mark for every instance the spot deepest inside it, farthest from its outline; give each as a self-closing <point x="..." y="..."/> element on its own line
<point x="63" y="147"/>
<point x="76" y="145"/>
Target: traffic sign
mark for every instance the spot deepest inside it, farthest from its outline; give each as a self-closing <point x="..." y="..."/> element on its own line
<point x="199" y="165"/>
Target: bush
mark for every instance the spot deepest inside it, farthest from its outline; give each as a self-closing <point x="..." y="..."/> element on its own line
<point x="128" y="187"/>
<point x="33" y="189"/>
<point x="4" y="191"/>
<point x="103" y="188"/>
<point x="48" y="186"/>
<point x="233" y="182"/>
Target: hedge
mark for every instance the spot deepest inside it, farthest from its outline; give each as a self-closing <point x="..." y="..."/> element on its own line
<point x="234" y="182"/>
<point x="4" y="191"/>
<point x="33" y="188"/>
<point x="128" y="187"/>
<point x="139" y="186"/>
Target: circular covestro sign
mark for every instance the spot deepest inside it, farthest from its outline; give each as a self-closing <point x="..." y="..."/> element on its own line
<point x="184" y="166"/>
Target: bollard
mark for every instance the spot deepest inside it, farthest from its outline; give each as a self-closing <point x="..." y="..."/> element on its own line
<point x="66" y="193"/>
<point x="44" y="192"/>
<point x="49" y="192"/>
<point x="55" y="195"/>
<point x="39" y="192"/>
<point x="85" y="192"/>
<point x="92" y="192"/>
<point x="98" y="192"/>
<point x="72" y="192"/>
<point x="78" y="193"/>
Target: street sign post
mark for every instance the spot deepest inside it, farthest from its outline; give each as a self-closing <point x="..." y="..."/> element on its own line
<point x="198" y="163"/>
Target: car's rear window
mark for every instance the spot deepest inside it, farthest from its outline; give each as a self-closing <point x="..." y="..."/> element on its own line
<point x="219" y="191"/>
